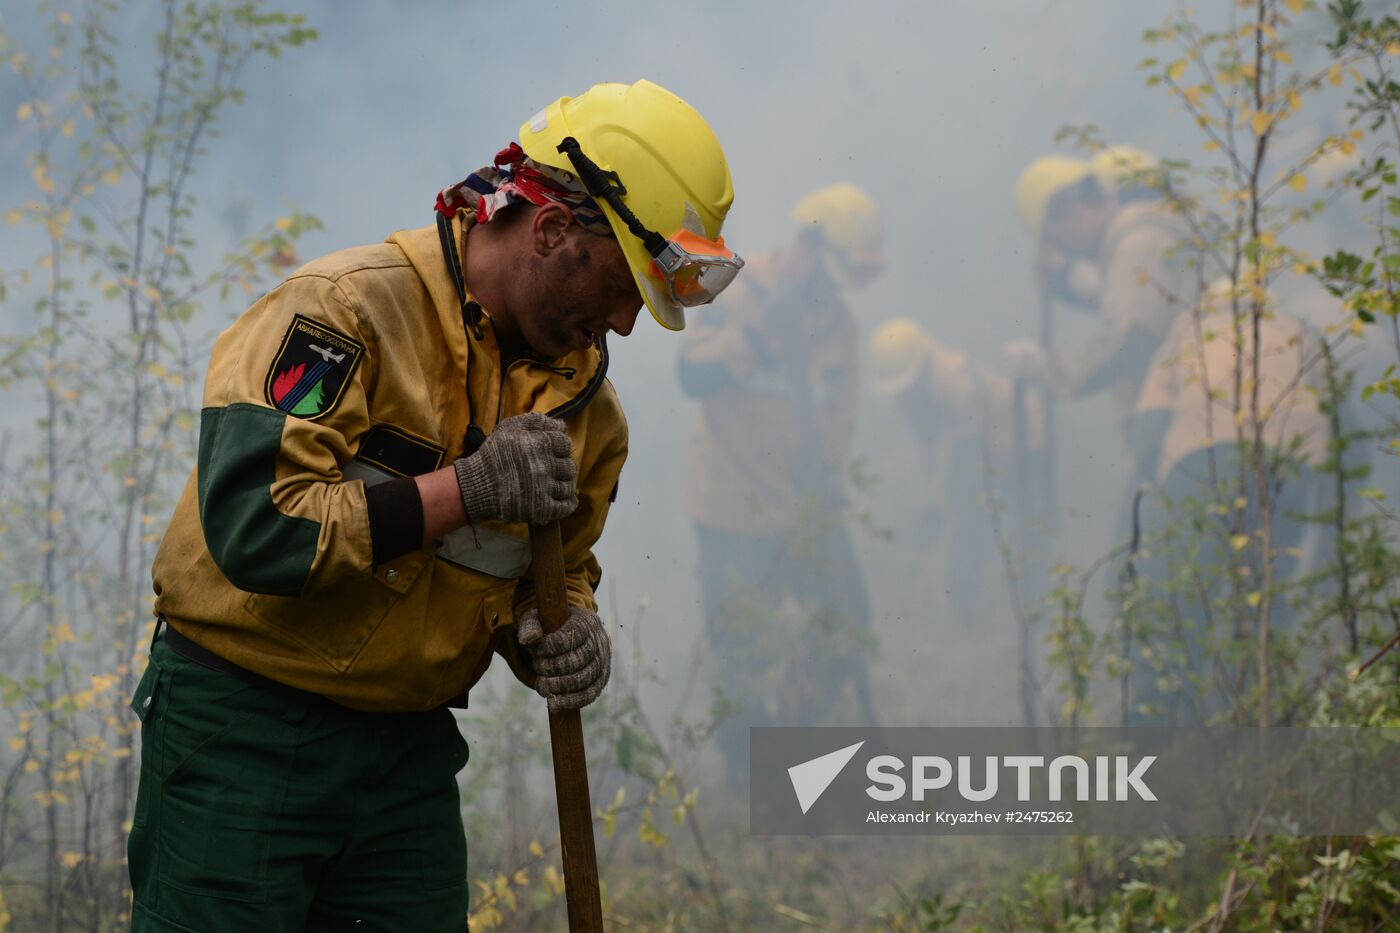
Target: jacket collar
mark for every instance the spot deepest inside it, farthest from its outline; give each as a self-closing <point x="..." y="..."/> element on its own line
<point x="560" y="387"/>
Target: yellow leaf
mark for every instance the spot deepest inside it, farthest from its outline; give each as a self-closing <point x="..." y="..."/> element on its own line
<point x="24" y="112"/>
<point x="1210" y="145"/>
<point x="16" y="744"/>
<point x="1392" y="48"/>
<point x="1254" y="599"/>
<point x="1298" y="182"/>
<point x="553" y="880"/>
<point x="1239" y="542"/>
<point x="1192" y="94"/>
<point x="536" y="850"/>
<point x="13" y="217"/>
<point x="1283" y="57"/>
<point x="68" y="129"/>
<point x="65" y="18"/>
<point x="1295" y="101"/>
<point x="1334" y="74"/>
<point x="71" y="859"/>
<point x="63" y="633"/>
<point x="1295" y="5"/>
<point x="1260" y="122"/>
<point x="112" y="176"/>
<point x="31" y="766"/>
<point x="1176" y="69"/>
<point x="284" y="223"/>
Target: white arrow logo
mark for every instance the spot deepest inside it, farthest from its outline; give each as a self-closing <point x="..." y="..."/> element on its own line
<point x="810" y="779"/>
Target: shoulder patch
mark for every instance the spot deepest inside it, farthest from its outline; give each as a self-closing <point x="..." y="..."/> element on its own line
<point x="312" y="369"/>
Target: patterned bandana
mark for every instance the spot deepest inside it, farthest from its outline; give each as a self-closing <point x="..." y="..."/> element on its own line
<point x="516" y="178"/>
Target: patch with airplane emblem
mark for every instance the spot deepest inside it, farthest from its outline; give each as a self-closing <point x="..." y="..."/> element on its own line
<point x="312" y="369"/>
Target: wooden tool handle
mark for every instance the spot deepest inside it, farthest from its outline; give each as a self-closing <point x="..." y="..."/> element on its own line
<point x="581" y="892"/>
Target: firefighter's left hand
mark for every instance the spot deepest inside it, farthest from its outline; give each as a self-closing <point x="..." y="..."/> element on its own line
<point x="573" y="663"/>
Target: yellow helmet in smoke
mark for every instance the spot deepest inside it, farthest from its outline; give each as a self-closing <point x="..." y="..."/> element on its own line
<point x="846" y="217"/>
<point x="899" y="350"/>
<point x="1117" y="167"/>
<point x="1042" y="180"/>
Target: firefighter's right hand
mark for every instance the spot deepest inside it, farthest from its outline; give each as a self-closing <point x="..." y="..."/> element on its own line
<point x="522" y="473"/>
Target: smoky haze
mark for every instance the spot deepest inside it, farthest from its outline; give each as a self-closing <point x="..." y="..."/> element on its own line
<point x="933" y="108"/>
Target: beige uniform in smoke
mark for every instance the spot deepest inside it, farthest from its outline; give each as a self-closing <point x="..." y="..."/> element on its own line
<point x="1144" y="287"/>
<point x="750" y="434"/>
<point x="957" y="397"/>
<point x="1190" y="368"/>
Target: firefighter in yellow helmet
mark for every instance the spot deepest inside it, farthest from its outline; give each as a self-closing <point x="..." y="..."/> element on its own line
<point x="960" y="413"/>
<point x="775" y="368"/>
<point x="1188" y="449"/>
<point x="1109" y="242"/>
<point x="379" y="432"/>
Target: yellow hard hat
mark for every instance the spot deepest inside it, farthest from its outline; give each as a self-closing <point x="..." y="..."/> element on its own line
<point x="899" y="350"/>
<point x="1041" y="181"/>
<point x="664" y="154"/>
<point x="1117" y="167"/>
<point x="847" y="219"/>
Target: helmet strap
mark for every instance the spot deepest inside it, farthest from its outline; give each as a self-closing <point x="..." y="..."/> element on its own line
<point x="609" y="187"/>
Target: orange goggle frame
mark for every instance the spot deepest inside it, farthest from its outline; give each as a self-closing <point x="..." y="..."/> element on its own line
<point x="696" y="269"/>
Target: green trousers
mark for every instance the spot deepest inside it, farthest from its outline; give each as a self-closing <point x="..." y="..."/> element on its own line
<point x="267" y="813"/>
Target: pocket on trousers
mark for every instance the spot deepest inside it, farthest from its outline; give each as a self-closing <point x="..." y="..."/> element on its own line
<point x="229" y="754"/>
<point x="144" y="703"/>
<point x="146" y="689"/>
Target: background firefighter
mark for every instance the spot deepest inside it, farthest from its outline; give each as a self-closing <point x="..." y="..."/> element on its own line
<point x="776" y="370"/>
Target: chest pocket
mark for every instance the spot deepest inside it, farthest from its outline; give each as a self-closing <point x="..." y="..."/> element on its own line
<point x="475" y="547"/>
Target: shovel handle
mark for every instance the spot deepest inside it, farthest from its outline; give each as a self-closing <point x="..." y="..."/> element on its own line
<point x="581" y="893"/>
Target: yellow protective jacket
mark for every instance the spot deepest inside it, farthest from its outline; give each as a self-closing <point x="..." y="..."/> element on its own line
<point x="1189" y="391"/>
<point x="775" y="365"/>
<point x="1146" y="277"/>
<point x="362" y="361"/>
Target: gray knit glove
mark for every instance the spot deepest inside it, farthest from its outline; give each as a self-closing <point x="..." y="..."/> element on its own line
<point x="522" y="473"/>
<point x="573" y="662"/>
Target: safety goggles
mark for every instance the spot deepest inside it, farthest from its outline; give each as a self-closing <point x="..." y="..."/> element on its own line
<point x="694" y="268"/>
